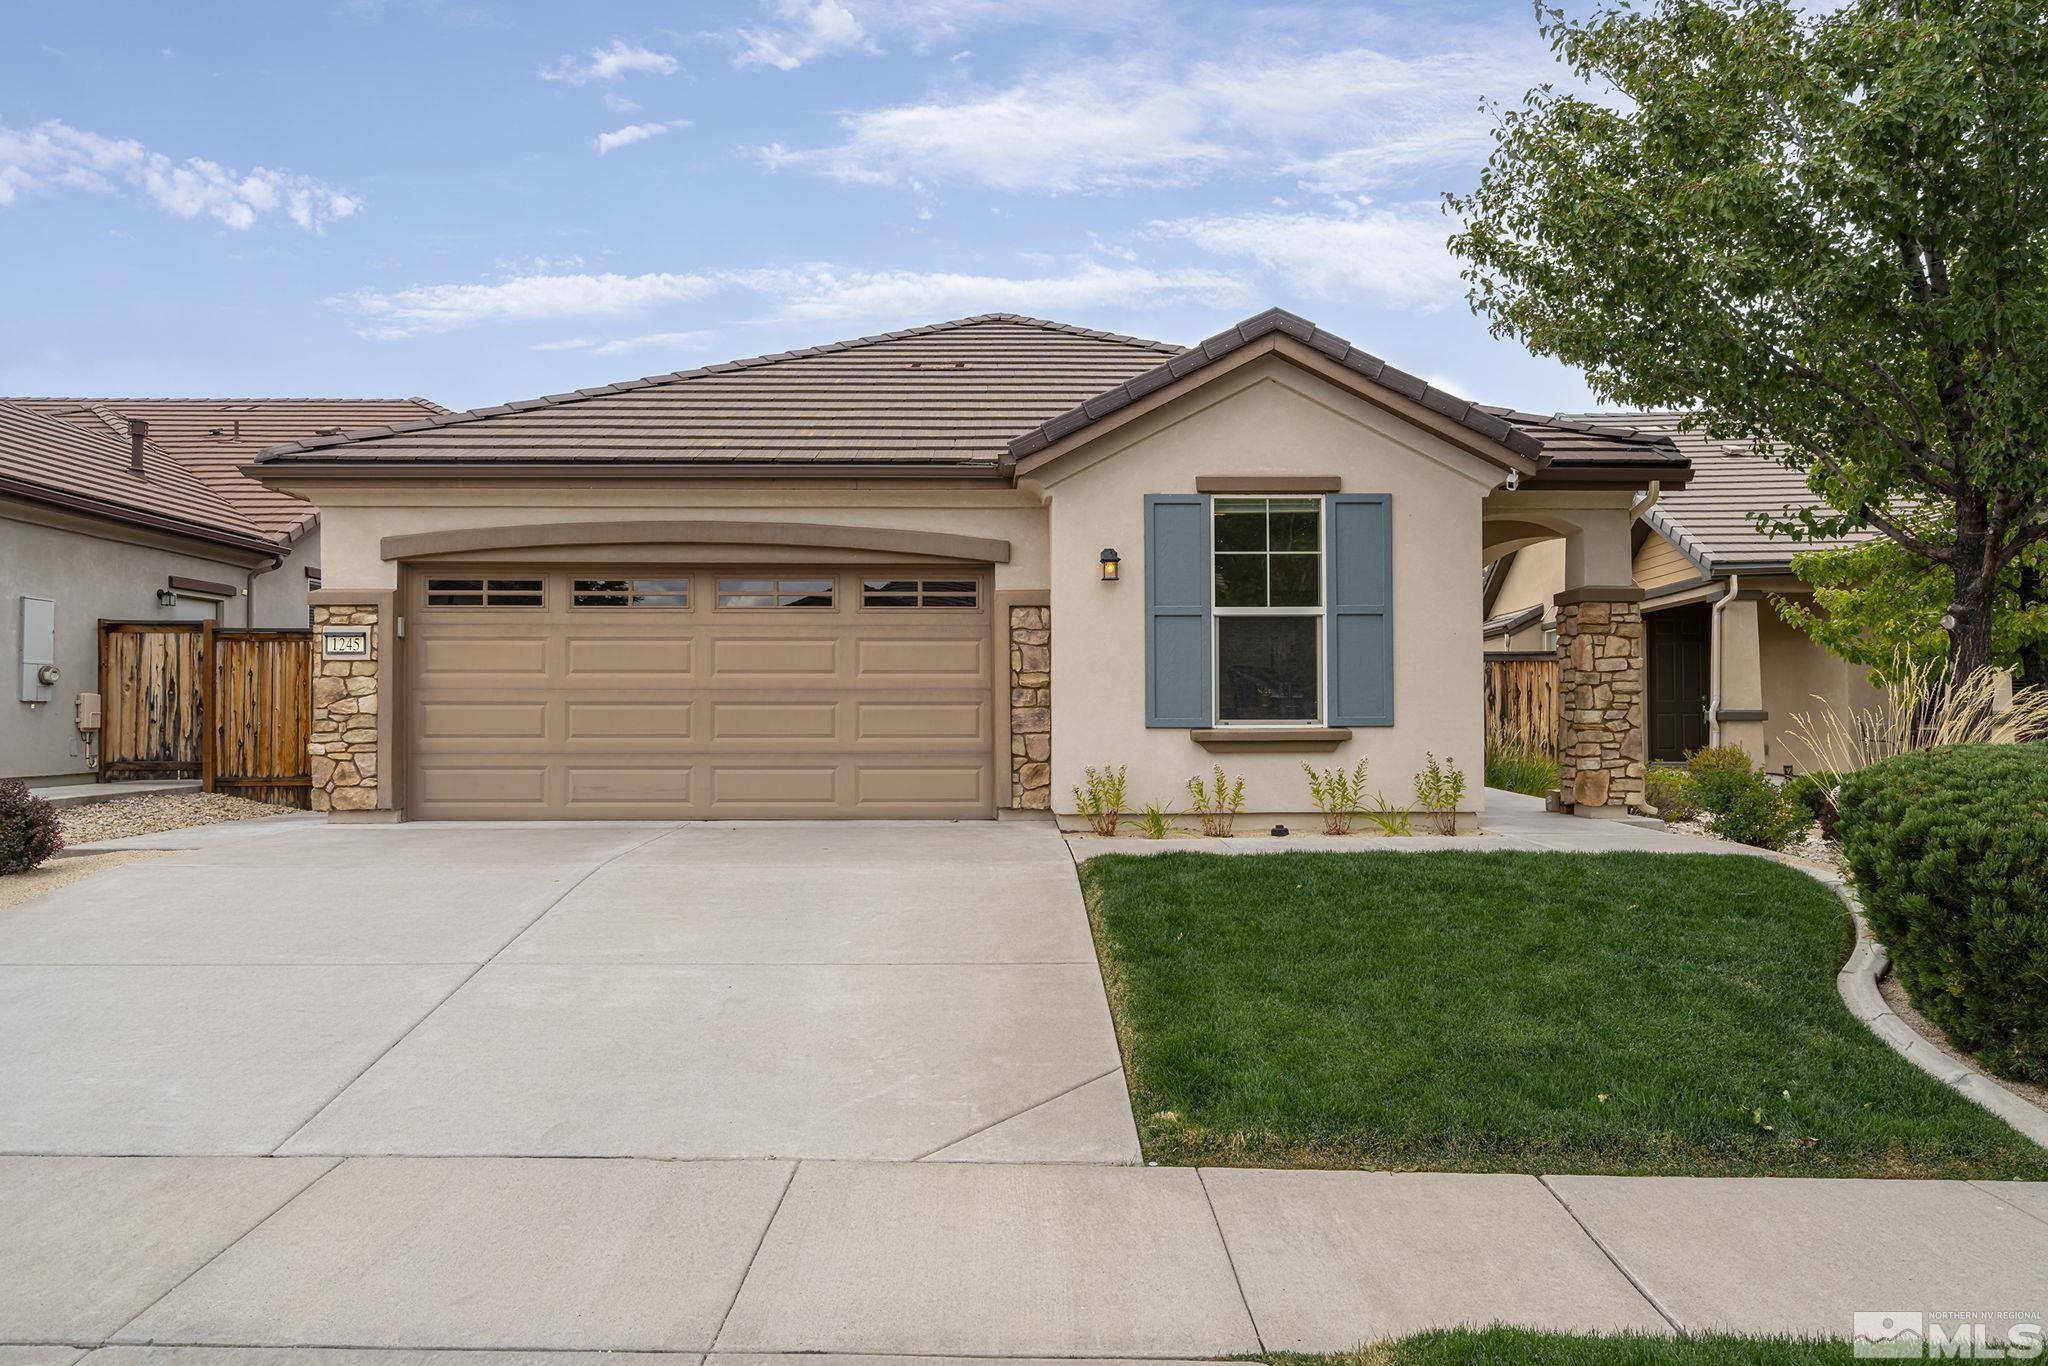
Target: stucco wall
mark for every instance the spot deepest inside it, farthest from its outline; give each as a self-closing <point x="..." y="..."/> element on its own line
<point x="1534" y="579"/>
<point x="93" y="570"/>
<point x="1795" y="672"/>
<point x="1269" y="417"/>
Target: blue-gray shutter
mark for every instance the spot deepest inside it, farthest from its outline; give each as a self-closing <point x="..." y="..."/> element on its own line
<point x="1361" y="609"/>
<point x="1177" y="671"/>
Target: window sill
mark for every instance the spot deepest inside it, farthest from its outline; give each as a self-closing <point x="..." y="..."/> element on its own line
<point x="1272" y="739"/>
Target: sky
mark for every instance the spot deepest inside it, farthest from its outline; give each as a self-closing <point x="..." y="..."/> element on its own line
<point x="477" y="202"/>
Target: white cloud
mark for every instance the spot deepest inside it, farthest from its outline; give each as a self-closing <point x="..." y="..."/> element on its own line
<point x="619" y="346"/>
<point x="804" y="29"/>
<point x="1394" y="256"/>
<point x="55" y="156"/>
<point x="815" y="292"/>
<point x="1342" y="122"/>
<point x="619" y="104"/>
<point x="610" y="63"/>
<point x="521" y="298"/>
<point x="632" y="133"/>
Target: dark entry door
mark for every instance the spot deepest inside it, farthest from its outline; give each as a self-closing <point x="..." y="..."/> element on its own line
<point x="1679" y="648"/>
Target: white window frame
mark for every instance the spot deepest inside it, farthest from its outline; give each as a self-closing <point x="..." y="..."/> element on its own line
<point x="1320" y="612"/>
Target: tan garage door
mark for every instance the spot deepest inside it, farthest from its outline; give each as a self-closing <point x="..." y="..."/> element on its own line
<point x="738" y="693"/>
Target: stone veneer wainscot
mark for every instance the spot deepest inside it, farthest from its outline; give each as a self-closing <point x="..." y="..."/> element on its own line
<point x="1600" y="702"/>
<point x="1031" y="708"/>
<point x="343" y="747"/>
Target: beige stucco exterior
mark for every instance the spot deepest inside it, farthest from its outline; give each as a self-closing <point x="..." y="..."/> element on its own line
<point x="1073" y="694"/>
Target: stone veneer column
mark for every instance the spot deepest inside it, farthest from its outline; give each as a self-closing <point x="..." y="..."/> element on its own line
<point x="1031" y="708"/>
<point x="1600" y="702"/>
<point x="343" y="747"/>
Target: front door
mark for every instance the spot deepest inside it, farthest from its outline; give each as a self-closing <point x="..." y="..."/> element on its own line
<point x="1679" y="652"/>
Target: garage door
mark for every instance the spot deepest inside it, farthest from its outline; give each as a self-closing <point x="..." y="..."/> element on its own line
<point x="714" y="693"/>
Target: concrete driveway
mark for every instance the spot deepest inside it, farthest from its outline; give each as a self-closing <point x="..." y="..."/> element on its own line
<point x="880" y="991"/>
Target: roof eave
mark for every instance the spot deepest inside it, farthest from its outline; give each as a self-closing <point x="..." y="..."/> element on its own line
<point x="29" y="491"/>
<point x="441" y="467"/>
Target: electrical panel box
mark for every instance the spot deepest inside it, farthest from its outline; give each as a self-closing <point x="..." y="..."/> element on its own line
<point x="38" y="650"/>
<point x="87" y="707"/>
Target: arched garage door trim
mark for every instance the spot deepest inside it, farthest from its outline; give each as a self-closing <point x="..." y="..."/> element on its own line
<point x="675" y="531"/>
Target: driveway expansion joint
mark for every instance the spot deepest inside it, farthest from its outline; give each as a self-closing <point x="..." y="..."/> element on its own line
<point x="1649" y="1297"/>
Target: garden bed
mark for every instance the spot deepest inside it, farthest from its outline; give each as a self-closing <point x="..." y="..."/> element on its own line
<point x="1605" y="1013"/>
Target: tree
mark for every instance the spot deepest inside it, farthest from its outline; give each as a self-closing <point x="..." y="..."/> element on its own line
<point x="1827" y="234"/>
<point x="1876" y="604"/>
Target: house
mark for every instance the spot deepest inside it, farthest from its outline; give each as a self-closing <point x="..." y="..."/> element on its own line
<point x="136" y="510"/>
<point x="1723" y="667"/>
<point x="941" y="572"/>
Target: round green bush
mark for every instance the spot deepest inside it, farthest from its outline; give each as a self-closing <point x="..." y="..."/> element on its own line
<point x="1950" y="851"/>
<point x="29" y="832"/>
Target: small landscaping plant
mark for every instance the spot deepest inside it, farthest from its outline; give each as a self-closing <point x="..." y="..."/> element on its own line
<point x="1391" y="819"/>
<point x="1218" y="805"/>
<point x="1950" y="852"/>
<point x="1717" y="773"/>
<point x="1517" y="766"/>
<point x="1337" y="794"/>
<point x="1670" y="791"/>
<point x="1156" y="820"/>
<point x="1439" y="788"/>
<point x="1742" y="804"/>
<point x="29" y="830"/>
<point x="1815" y="794"/>
<point x="1101" y="798"/>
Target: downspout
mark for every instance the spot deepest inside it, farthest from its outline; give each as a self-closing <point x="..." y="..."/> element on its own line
<point x="1714" y="659"/>
<point x="249" y="590"/>
<point x="1641" y="507"/>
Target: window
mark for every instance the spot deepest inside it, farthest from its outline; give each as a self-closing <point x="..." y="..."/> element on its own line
<point x="1267" y="576"/>
<point x="775" y="592"/>
<point x="919" y="593"/>
<point x="483" y="592"/>
<point x="631" y="593"/>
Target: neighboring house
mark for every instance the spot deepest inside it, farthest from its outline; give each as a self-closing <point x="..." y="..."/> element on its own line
<point x="136" y="510"/>
<point x="1723" y="666"/>
<point x="940" y="572"/>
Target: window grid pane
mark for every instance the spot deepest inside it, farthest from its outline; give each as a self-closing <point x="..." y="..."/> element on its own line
<point x="920" y="593"/>
<point x="485" y="592"/>
<point x="793" y="592"/>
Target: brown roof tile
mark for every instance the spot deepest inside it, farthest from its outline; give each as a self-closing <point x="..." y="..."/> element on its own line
<point x="89" y="468"/>
<point x="215" y="437"/>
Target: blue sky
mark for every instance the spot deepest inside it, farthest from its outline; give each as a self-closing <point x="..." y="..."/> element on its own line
<point x="477" y="202"/>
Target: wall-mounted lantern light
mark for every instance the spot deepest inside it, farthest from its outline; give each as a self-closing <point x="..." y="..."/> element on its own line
<point x="165" y="597"/>
<point x="1111" y="564"/>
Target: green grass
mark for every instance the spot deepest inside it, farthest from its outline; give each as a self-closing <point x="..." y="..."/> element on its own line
<point x="1522" y="1347"/>
<point x="1594" y="1013"/>
<point x="1519" y="768"/>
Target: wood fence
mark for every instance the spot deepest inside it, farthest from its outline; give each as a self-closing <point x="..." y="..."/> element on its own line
<point x="1521" y="698"/>
<point x="185" y="699"/>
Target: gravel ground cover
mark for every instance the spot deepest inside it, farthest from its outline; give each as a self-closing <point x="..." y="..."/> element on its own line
<point x="151" y="815"/>
<point x="62" y="872"/>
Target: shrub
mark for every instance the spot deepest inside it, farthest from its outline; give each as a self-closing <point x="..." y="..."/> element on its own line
<point x="1218" y="807"/>
<point x="29" y="830"/>
<point x="1670" y="791"/>
<point x="1757" y="812"/>
<point x="1950" y="852"/>
<point x="1517" y="766"/>
<point x="1155" y="819"/>
<point x="1338" y="795"/>
<point x="1391" y="819"/>
<point x="1815" y="794"/>
<point x="1718" y="774"/>
<point x="1439" y="788"/>
<point x="1101" y="798"/>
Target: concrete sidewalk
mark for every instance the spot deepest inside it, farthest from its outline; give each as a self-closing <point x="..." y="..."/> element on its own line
<point x="536" y="1254"/>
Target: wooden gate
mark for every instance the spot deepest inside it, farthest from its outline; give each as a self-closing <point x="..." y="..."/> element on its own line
<point x="1521" y="699"/>
<point x="185" y="699"/>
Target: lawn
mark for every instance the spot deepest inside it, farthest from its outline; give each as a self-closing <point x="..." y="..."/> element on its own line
<point x="1570" y="1013"/>
<point x="1521" y="1347"/>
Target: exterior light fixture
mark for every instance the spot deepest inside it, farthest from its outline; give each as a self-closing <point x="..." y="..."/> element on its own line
<point x="165" y="597"/>
<point x="1112" y="564"/>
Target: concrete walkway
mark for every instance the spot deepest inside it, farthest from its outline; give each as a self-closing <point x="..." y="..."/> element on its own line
<point x="958" y="1259"/>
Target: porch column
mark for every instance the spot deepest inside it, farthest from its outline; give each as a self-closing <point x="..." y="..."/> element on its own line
<point x="1740" y="677"/>
<point x="1600" y="670"/>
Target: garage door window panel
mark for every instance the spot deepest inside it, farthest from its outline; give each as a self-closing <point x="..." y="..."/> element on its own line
<point x="485" y="592"/>
<point x="674" y="593"/>
<point x="920" y="593"/>
<point x="752" y="594"/>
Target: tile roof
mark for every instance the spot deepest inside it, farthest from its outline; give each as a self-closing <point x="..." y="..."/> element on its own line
<point x="1586" y="440"/>
<point x="947" y="395"/>
<point x="1485" y="422"/>
<point x="89" y="469"/>
<point x="1712" y="518"/>
<point x="214" y="437"/>
<point x="1509" y="622"/>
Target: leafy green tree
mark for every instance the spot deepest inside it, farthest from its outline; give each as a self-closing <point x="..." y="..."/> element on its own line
<point x="1826" y="233"/>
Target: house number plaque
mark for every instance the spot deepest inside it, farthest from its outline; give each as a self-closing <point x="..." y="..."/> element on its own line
<point x="345" y="642"/>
